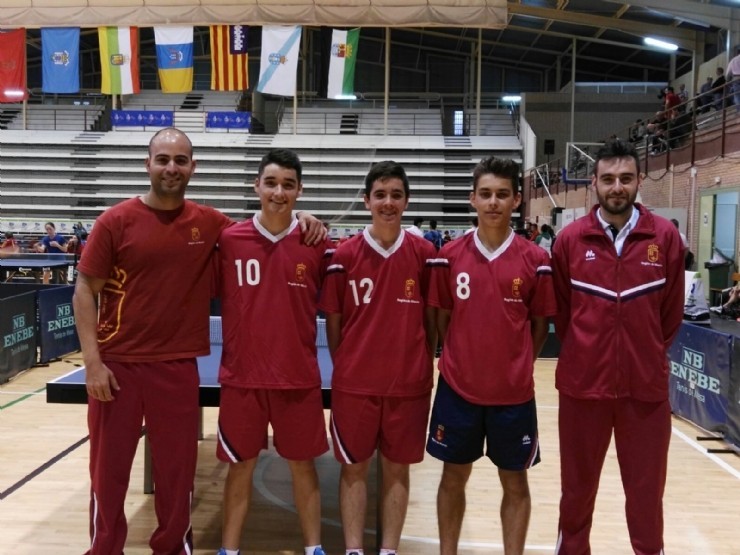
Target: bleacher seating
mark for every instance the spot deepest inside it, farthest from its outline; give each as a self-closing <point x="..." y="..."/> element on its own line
<point x="74" y="176"/>
<point x="58" y="117"/>
<point x="362" y="121"/>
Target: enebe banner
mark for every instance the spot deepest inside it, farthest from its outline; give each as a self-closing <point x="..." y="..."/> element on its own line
<point x="17" y="333"/>
<point x="58" y="335"/>
<point x="699" y="361"/>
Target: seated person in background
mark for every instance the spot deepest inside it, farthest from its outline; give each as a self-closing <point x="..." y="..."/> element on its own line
<point x="730" y="307"/>
<point x="9" y="245"/>
<point x="52" y="243"/>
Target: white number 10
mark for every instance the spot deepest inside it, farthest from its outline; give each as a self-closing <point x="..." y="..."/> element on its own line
<point x="251" y="270"/>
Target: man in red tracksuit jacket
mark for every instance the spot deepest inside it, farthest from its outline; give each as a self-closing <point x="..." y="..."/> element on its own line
<point x="619" y="282"/>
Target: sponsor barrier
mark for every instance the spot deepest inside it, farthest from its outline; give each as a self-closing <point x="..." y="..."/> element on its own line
<point x="36" y="325"/>
<point x="704" y="365"/>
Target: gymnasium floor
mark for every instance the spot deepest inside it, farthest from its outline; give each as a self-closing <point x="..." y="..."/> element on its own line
<point x="44" y="490"/>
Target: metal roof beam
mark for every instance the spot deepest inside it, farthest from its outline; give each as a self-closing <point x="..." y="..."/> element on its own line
<point x="688" y="10"/>
<point x="684" y="38"/>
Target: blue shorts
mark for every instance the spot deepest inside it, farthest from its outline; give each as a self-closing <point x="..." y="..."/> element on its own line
<point x="458" y="430"/>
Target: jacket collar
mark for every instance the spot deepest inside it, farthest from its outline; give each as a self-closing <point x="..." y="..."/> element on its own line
<point x="645" y="224"/>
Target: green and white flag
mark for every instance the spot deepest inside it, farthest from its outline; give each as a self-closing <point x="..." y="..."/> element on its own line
<point x="342" y="63"/>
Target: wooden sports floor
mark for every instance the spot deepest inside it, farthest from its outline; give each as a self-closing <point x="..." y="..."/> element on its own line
<point x="44" y="490"/>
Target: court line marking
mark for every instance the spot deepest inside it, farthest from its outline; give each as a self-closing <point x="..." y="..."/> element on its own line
<point x="52" y="461"/>
<point x="261" y="487"/>
<point x="25" y="396"/>
<point x="711" y="456"/>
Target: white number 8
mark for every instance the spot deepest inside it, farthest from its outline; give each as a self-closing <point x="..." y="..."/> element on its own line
<point x="463" y="285"/>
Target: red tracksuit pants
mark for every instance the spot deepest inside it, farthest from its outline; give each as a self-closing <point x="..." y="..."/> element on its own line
<point x="642" y="432"/>
<point x="165" y="396"/>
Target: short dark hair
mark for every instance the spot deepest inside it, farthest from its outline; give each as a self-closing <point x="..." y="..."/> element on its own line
<point x="51" y="224"/>
<point x="418" y="221"/>
<point x="432" y="224"/>
<point x="284" y="158"/>
<point x="386" y="170"/>
<point x="500" y="167"/>
<point x="616" y="148"/>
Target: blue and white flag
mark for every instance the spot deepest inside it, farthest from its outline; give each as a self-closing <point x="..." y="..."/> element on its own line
<point x="279" y="60"/>
<point x="60" y="55"/>
<point x="175" y="58"/>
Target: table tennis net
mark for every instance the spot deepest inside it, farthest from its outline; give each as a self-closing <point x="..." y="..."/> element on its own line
<point x="218" y="339"/>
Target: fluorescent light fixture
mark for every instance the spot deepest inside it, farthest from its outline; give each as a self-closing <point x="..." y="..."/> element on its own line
<point x="511" y="98"/>
<point x="657" y="43"/>
<point x="345" y="97"/>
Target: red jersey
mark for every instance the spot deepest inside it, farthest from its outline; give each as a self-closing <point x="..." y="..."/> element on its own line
<point x="269" y="291"/>
<point x="487" y="357"/>
<point x="154" y="305"/>
<point x="381" y="295"/>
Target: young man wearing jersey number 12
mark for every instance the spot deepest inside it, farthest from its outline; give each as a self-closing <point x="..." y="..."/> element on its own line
<point x="381" y="336"/>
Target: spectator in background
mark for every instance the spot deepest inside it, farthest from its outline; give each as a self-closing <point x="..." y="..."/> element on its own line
<point x="704" y="102"/>
<point x="446" y="237"/>
<point x="546" y="238"/>
<point x="688" y="255"/>
<point x="53" y="243"/>
<point x="683" y="96"/>
<point x="637" y="131"/>
<point x="9" y="245"/>
<point x="670" y="103"/>
<point x="416" y="228"/>
<point x="718" y="87"/>
<point x="534" y="231"/>
<point x="433" y="236"/>
<point x="474" y="225"/>
<point x="733" y="76"/>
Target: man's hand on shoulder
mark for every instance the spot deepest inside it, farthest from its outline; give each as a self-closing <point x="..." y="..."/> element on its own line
<point x="312" y="229"/>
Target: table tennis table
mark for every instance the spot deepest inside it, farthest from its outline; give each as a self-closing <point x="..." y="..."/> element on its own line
<point x="70" y="388"/>
<point x="23" y="262"/>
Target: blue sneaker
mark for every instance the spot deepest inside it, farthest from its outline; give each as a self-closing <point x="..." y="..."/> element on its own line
<point x="318" y="551"/>
<point x="222" y="551"/>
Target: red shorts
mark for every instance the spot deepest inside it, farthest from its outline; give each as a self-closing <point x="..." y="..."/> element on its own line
<point x="296" y="415"/>
<point x="395" y="425"/>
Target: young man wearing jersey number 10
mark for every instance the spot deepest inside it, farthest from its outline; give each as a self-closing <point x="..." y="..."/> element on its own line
<point x="269" y="374"/>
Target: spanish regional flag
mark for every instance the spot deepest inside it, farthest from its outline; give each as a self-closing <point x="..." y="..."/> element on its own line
<point x="175" y="58"/>
<point x="119" y="60"/>
<point x="229" y="67"/>
<point x="13" y="65"/>
<point x="342" y="63"/>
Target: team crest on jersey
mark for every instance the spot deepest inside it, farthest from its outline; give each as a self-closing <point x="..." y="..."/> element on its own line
<point x="516" y="285"/>
<point x="195" y="234"/>
<point x="110" y="301"/>
<point x="300" y="272"/>
<point x="408" y="288"/>
<point x="653" y="252"/>
<point x="439" y="435"/>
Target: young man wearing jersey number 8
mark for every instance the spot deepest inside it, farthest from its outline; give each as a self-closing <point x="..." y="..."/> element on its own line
<point x="381" y="336"/>
<point x="269" y="282"/>
<point x="494" y="293"/>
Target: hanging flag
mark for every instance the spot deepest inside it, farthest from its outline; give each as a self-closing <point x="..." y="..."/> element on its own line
<point x="60" y="60"/>
<point x="229" y="69"/>
<point x="279" y="60"/>
<point x="175" y="58"/>
<point x="119" y="60"/>
<point x="342" y="63"/>
<point x="13" y="65"/>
